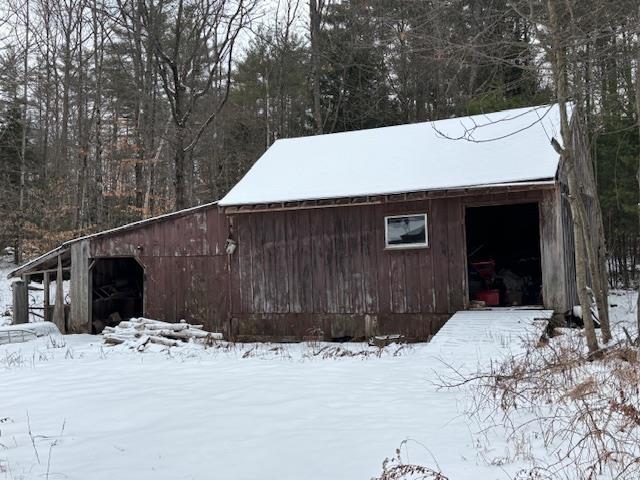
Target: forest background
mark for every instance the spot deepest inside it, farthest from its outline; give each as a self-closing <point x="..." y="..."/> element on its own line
<point x="117" y="110"/>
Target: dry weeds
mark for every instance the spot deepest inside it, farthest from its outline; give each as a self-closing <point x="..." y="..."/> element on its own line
<point x="585" y="409"/>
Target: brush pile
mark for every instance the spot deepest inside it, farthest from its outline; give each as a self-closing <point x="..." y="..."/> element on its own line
<point x="138" y="333"/>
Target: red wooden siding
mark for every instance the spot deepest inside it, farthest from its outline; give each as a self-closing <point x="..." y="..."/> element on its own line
<point x="186" y="267"/>
<point x="333" y="260"/>
<point x="328" y="269"/>
<point x="302" y="271"/>
<point x="331" y="265"/>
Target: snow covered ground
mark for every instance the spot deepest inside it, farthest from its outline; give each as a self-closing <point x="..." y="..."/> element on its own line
<point x="77" y="409"/>
<point x="72" y="408"/>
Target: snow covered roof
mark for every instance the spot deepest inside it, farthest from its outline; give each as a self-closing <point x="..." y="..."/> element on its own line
<point x="506" y="147"/>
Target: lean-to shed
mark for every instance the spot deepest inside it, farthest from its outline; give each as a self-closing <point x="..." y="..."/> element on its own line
<point x="392" y="230"/>
<point x="170" y="267"/>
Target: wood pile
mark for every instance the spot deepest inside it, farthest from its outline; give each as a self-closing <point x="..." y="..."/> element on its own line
<point x="140" y="332"/>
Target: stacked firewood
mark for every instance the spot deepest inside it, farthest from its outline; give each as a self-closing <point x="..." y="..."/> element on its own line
<point x="140" y="332"/>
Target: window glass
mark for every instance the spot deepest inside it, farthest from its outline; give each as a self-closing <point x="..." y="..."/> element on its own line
<point x="406" y="230"/>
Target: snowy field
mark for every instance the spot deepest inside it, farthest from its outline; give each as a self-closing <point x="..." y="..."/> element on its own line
<point x="72" y="408"/>
<point x="79" y="410"/>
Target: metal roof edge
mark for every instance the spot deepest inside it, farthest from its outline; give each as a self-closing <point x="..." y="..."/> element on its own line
<point x="541" y="182"/>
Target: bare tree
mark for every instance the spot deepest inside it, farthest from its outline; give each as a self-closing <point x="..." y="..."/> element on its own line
<point x="316" y="8"/>
<point x="192" y="58"/>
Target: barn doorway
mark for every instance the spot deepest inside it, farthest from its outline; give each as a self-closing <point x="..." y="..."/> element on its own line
<point x="117" y="291"/>
<point x="503" y="255"/>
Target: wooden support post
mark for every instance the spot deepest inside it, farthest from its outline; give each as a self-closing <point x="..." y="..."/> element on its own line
<point x="20" y="302"/>
<point x="80" y="315"/>
<point x="47" y="301"/>
<point x="58" y="308"/>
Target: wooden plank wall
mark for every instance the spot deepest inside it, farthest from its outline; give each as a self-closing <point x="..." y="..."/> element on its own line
<point x="327" y="269"/>
<point x="316" y="271"/>
<point x="186" y="266"/>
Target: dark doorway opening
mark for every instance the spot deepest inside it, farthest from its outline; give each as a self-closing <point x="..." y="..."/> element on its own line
<point x="503" y="255"/>
<point x="117" y="291"/>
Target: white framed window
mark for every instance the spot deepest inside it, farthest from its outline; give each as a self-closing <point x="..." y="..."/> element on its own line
<point x="406" y="231"/>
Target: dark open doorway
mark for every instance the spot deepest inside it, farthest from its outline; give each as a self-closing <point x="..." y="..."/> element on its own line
<point x="117" y="291"/>
<point x="503" y="255"/>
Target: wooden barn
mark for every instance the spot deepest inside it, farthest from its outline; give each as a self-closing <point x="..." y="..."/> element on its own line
<point x="347" y="235"/>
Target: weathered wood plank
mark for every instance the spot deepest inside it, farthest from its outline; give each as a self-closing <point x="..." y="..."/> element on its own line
<point x="258" y="264"/>
<point x="242" y="261"/>
<point x="297" y="249"/>
<point x="383" y="268"/>
<point x="332" y="285"/>
<point x="318" y="261"/>
<point x="440" y="255"/>
<point x="552" y="250"/>
<point x="355" y="246"/>
<point x="427" y="292"/>
<point x="20" y="301"/>
<point x="270" y="264"/>
<point x="79" y="293"/>
<point x="398" y="278"/>
<point x="456" y="255"/>
<point x="343" y="255"/>
<point x="303" y="261"/>
<point x="413" y="286"/>
<point x="46" y="284"/>
<point x="370" y="230"/>
<point x="281" y="269"/>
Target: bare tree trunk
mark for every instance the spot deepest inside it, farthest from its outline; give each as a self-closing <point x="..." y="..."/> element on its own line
<point x="98" y="42"/>
<point x="315" y="7"/>
<point x="568" y="158"/>
<point x="81" y="207"/>
<point x="154" y="162"/>
<point x="141" y="112"/>
<point x="179" y="175"/>
<point x="581" y="271"/>
<point x="638" y="173"/>
<point x="63" y="159"/>
<point x="23" y="146"/>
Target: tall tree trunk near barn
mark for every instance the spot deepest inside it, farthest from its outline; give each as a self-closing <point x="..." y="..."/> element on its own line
<point x="559" y="66"/>
<point x="98" y="42"/>
<point x="23" y="141"/>
<point x="315" y="17"/>
<point x="179" y="165"/>
<point x="588" y="204"/>
<point x="638" y="172"/>
<point x="202" y="33"/>
<point x="63" y="157"/>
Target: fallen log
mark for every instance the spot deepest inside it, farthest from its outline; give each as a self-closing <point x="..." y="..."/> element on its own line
<point x="164" y="341"/>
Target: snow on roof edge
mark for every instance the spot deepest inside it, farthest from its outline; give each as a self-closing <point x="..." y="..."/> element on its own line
<point x="528" y="182"/>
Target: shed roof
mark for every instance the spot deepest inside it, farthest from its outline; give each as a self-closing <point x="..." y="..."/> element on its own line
<point x="499" y="148"/>
<point x="49" y="259"/>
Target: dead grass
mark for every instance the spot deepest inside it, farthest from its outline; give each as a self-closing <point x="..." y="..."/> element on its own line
<point x="584" y="410"/>
<point x="396" y="468"/>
